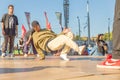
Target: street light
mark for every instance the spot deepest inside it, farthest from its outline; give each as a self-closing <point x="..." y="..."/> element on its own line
<point x="109" y="29"/>
<point x="79" y="27"/>
<point x="88" y="22"/>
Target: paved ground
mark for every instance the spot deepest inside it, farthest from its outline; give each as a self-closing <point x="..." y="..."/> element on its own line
<point x="53" y="68"/>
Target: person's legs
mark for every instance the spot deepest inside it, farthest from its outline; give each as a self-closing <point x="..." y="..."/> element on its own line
<point x="60" y="41"/>
<point x="116" y="32"/>
<point x="116" y="40"/>
<point x="70" y="35"/>
<point x="11" y="44"/>
<point x="113" y="62"/>
<point x="66" y="49"/>
<point x="4" y="46"/>
<point x="64" y="53"/>
<point x="25" y="49"/>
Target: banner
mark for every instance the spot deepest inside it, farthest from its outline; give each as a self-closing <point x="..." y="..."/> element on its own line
<point x="48" y="25"/>
<point x="23" y="31"/>
<point x="59" y="17"/>
<point x="27" y="14"/>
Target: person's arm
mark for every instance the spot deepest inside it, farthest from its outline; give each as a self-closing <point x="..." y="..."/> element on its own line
<point x="16" y="30"/>
<point x="3" y="31"/>
<point x="3" y="24"/>
<point x="39" y="51"/>
<point x="105" y="46"/>
<point x="16" y="27"/>
<point x="29" y="39"/>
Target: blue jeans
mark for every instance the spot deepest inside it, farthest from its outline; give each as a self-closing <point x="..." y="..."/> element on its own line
<point x="95" y="52"/>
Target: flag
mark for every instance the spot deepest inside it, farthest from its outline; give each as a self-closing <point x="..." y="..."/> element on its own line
<point x="23" y="31"/>
<point x="59" y="17"/>
<point x="27" y="14"/>
<point x="48" y="25"/>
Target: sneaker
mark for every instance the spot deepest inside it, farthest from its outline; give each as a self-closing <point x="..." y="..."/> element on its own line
<point x="108" y="63"/>
<point x="37" y="55"/>
<point x="11" y="55"/>
<point x="25" y="55"/>
<point x="64" y="57"/>
<point x="109" y="56"/>
<point x="81" y="49"/>
<point x="3" y="55"/>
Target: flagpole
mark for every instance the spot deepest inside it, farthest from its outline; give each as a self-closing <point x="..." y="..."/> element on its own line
<point x="88" y="21"/>
<point x="0" y="40"/>
<point x="79" y="27"/>
<point x="109" y="28"/>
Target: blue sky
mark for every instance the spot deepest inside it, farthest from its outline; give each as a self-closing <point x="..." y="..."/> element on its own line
<point x="100" y="11"/>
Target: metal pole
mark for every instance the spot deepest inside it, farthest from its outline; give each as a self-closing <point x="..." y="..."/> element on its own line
<point x="109" y="29"/>
<point x="88" y="18"/>
<point x="79" y="27"/>
<point x="0" y="40"/>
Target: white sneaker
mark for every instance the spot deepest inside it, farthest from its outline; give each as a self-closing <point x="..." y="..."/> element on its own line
<point x="37" y="55"/>
<point x="25" y="55"/>
<point x="3" y="55"/>
<point x="11" y="55"/>
<point x="64" y="57"/>
<point x="81" y="49"/>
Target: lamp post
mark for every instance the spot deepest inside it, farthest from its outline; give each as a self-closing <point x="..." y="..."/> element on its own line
<point x="79" y="27"/>
<point x="88" y="22"/>
<point x="109" y="29"/>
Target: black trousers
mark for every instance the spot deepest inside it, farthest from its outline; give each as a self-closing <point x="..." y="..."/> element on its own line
<point x="8" y="44"/>
<point x="116" y="31"/>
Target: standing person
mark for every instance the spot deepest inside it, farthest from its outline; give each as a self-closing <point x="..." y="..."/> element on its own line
<point x="9" y="30"/>
<point x="47" y="41"/>
<point x="113" y="61"/>
<point x="27" y="42"/>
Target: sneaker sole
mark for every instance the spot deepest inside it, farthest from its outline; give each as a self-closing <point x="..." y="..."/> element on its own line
<point x="109" y="67"/>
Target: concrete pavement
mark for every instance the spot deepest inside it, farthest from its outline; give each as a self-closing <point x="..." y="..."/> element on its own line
<point x="53" y="68"/>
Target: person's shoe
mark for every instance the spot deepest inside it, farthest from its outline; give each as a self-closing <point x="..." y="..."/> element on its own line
<point x="11" y="55"/>
<point x="37" y="55"/>
<point x="81" y="50"/>
<point x="109" y="56"/>
<point x="64" y="57"/>
<point x="3" y="55"/>
<point x="25" y="55"/>
<point x="108" y="63"/>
